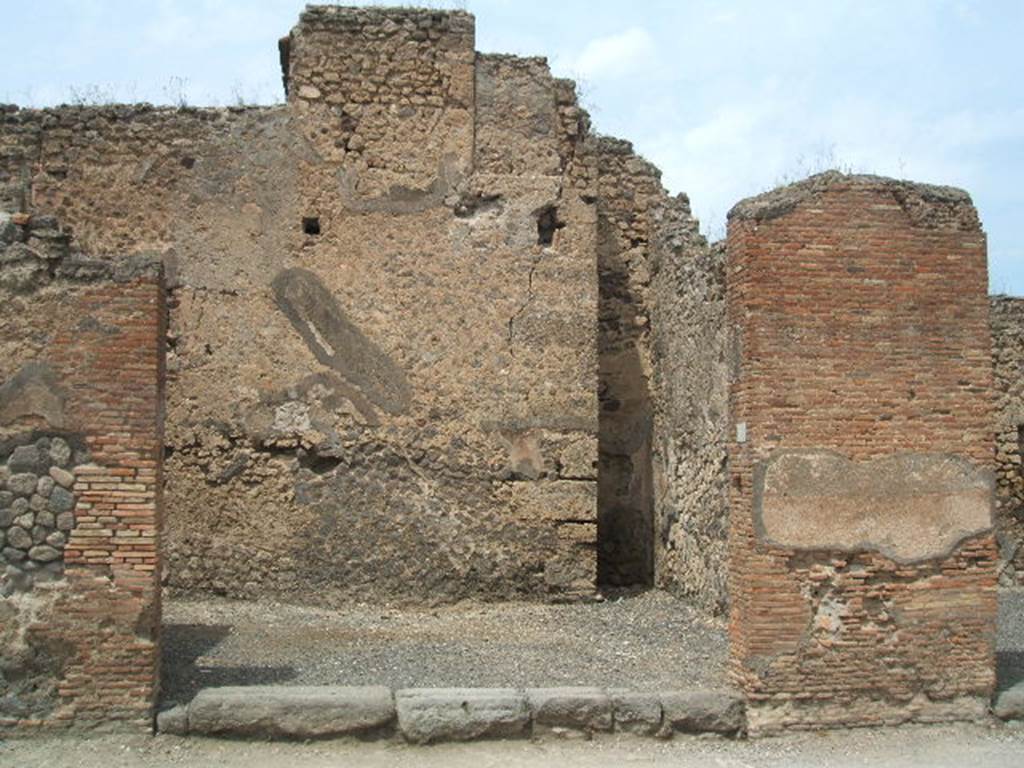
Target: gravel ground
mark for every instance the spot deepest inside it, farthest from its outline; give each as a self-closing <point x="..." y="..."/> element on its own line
<point x="907" y="747"/>
<point x="645" y="641"/>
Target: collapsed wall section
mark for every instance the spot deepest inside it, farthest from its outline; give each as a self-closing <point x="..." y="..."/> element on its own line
<point x="862" y="560"/>
<point x="81" y="392"/>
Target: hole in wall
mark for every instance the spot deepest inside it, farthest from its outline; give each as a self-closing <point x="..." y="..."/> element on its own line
<point x="311" y="225"/>
<point x="547" y="223"/>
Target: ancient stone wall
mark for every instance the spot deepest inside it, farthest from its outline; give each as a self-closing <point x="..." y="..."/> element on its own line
<point x="81" y="393"/>
<point x="629" y="189"/>
<point x="691" y="361"/>
<point x="381" y="348"/>
<point x="1008" y="359"/>
<point x="862" y="560"/>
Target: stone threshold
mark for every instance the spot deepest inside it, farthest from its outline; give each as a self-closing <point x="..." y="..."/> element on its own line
<point x="434" y="715"/>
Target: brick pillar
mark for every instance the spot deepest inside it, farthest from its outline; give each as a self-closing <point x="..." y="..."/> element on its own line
<point x="83" y="412"/>
<point x="862" y="562"/>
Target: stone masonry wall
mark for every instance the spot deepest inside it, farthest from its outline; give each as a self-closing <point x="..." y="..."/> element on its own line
<point x="81" y="371"/>
<point x="1008" y="358"/>
<point x="381" y="349"/>
<point x="628" y="190"/>
<point x="662" y="341"/>
<point x="862" y="560"/>
<point x="692" y="357"/>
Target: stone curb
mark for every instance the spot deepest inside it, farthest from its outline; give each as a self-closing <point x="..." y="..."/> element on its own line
<point x="435" y="715"/>
<point x="1009" y="704"/>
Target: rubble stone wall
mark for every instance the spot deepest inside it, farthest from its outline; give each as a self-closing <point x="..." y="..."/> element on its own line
<point x="692" y="358"/>
<point x="81" y="366"/>
<point x="862" y="559"/>
<point x="381" y="350"/>
<point x="1008" y="360"/>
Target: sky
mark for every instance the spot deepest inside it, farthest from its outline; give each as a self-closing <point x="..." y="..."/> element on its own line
<point x="728" y="97"/>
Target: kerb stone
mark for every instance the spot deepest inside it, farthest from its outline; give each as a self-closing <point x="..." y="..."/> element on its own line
<point x="290" y="712"/>
<point x="703" y="712"/>
<point x="427" y="715"/>
<point x="638" y="713"/>
<point x="580" y="710"/>
<point x="1009" y="704"/>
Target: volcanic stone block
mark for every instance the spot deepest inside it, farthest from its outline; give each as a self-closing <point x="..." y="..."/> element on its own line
<point x="635" y="712"/>
<point x="173" y="721"/>
<point x="1009" y="705"/>
<point x="22" y="483"/>
<point x="290" y="712"/>
<point x="580" y="709"/>
<point x="61" y="500"/>
<point x="703" y="712"/>
<point x="28" y="458"/>
<point x="427" y="715"/>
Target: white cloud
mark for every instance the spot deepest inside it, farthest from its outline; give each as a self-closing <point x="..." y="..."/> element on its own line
<point x="615" y="55"/>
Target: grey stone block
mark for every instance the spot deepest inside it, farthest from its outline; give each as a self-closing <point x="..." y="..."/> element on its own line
<point x="44" y="486"/>
<point x="1009" y="704"/>
<point x="704" y="712"/>
<point x="634" y="712"/>
<point x="290" y="712"/>
<point x="61" y="500"/>
<point x="28" y="458"/>
<point x="60" y="451"/>
<point x="19" y="537"/>
<point x="8" y="230"/>
<point x="173" y="721"/>
<point x="43" y="553"/>
<point x="22" y="483"/>
<point x="427" y="715"/>
<point x="578" y="709"/>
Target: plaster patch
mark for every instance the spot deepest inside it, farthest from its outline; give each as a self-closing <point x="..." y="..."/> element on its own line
<point x="32" y="391"/>
<point x="910" y="507"/>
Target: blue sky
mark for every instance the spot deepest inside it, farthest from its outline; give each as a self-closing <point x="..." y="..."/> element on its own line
<point x="728" y="97"/>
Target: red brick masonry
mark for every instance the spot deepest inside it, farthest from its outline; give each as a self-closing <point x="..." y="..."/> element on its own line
<point x="101" y="622"/>
<point x="861" y="313"/>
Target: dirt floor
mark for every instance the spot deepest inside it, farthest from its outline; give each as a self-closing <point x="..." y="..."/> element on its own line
<point x="643" y="642"/>
<point x="997" y="746"/>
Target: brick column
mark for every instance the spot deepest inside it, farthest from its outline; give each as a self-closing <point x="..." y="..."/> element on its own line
<point x="85" y="614"/>
<point x="862" y="563"/>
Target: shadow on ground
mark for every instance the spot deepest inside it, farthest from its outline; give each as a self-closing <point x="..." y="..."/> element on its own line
<point x="186" y="669"/>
